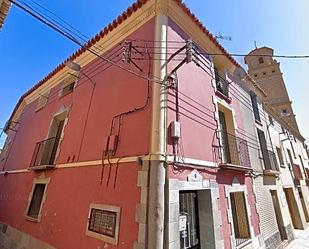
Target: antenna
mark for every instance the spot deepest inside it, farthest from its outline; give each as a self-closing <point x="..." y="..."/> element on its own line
<point x="222" y="37"/>
<point x="255" y="45"/>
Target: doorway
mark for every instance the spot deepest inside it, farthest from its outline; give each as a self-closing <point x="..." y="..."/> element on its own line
<point x="189" y="220"/>
<point x="303" y="203"/>
<point x="293" y="208"/>
<point x="280" y="224"/>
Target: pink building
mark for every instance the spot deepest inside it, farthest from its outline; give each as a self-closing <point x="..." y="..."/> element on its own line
<point x="144" y="147"/>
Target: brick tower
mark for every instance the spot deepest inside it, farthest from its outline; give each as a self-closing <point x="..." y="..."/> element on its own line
<point x="266" y="72"/>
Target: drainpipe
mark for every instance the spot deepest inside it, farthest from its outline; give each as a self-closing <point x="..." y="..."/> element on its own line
<point x="158" y="141"/>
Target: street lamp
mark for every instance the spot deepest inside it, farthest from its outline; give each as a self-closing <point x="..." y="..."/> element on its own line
<point x="77" y="68"/>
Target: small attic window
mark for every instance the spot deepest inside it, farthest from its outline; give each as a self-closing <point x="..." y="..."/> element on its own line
<point x="261" y="60"/>
<point x="255" y="75"/>
<point x="42" y="100"/>
<point x="68" y="86"/>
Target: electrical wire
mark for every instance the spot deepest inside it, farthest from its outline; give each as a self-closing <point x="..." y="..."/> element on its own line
<point x="53" y="26"/>
<point x="72" y="38"/>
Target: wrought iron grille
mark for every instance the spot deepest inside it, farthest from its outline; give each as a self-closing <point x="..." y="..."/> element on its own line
<point x="222" y="85"/>
<point x="45" y="152"/>
<point x="273" y="161"/>
<point x="234" y="150"/>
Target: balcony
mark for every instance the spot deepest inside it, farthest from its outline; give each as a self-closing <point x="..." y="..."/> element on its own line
<point x="271" y="164"/>
<point x="234" y="152"/>
<point x="44" y="154"/>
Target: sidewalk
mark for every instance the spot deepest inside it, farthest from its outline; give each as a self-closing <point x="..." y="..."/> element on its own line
<point x="301" y="241"/>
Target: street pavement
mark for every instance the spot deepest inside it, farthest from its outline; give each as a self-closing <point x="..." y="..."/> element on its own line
<point x="301" y="241"/>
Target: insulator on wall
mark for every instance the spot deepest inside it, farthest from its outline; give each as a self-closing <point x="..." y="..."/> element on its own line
<point x="189" y="50"/>
<point x="126" y="52"/>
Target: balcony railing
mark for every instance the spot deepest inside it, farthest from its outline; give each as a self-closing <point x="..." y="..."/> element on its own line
<point x="272" y="164"/>
<point x="44" y="153"/>
<point x="234" y="150"/>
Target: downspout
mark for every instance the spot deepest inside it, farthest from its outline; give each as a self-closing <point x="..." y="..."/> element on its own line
<point x="158" y="140"/>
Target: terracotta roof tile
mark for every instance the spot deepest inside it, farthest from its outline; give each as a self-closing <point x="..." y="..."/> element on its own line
<point x="133" y="8"/>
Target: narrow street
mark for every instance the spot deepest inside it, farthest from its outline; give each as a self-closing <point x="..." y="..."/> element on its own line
<point x="301" y="241"/>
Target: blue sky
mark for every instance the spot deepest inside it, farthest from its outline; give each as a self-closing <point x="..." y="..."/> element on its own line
<point x="29" y="50"/>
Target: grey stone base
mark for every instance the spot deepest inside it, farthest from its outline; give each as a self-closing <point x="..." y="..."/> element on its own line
<point x="273" y="241"/>
<point x="11" y="238"/>
<point x="289" y="232"/>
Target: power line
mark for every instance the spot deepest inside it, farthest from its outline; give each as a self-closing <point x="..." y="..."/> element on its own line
<point x="72" y="38"/>
<point x="53" y="26"/>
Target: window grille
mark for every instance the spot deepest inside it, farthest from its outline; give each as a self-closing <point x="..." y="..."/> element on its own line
<point x="103" y="222"/>
<point x="189" y="235"/>
<point x="240" y="217"/>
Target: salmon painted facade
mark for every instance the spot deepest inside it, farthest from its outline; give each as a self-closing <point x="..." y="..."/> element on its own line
<point x="146" y="138"/>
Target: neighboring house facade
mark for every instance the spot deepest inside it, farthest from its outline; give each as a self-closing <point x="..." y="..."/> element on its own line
<point x="153" y="144"/>
<point x="4" y="9"/>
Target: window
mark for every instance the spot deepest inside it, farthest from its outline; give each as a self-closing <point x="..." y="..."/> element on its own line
<point x="68" y="85"/>
<point x="255" y="75"/>
<point x="255" y="107"/>
<point x="240" y="217"/>
<point x="221" y="84"/>
<point x="36" y="199"/>
<point x="264" y="73"/>
<point x="42" y="100"/>
<point x="271" y="120"/>
<point x="67" y="88"/>
<point x="188" y="220"/>
<point x="273" y="71"/>
<point x="290" y="156"/>
<point x="303" y="166"/>
<point x="103" y="223"/>
<point x="46" y="151"/>
<point x="261" y="60"/>
<point x="279" y="153"/>
<point x="282" y="129"/>
<point x="293" y="149"/>
<point x="268" y="156"/>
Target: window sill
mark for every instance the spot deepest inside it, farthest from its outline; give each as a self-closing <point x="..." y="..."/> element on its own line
<point x="64" y="95"/>
<point x="270" y="172"/>
<point x="223" y="96"/>
<point x="258" y="122"/>
<point x="102" y="237"/>
<point x="234" y="167"/>
<point x="244" y="243"/>
<point x="31" y="219"/>
<point x="41" y="167"/>
<point x="39" y="108"/>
